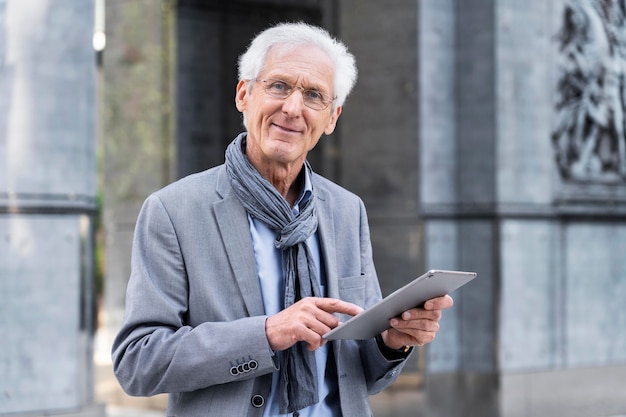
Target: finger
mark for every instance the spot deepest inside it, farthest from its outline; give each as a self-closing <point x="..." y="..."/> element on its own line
<point x="420" y="313"/>
<point x="411" y="337"/>
<point x="419" y="325"/>
<point x="312" y="333"/>
<point x="313" y="340"/>
<point x="310" y="313"/>
<point x="395" y="339"/>
<point x="306" y="320"/>
<point x="316" y="313"/>
<point x="316" y="342"/>
<point x="285" y="337"/>
<point x="333" y="305"/>
<point x="322" y="323"/>
<point x="439" y="303"/>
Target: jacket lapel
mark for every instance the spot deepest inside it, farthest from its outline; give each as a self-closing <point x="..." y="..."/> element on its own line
<point x="327" y="240"/>
<point x="232" y="221"/>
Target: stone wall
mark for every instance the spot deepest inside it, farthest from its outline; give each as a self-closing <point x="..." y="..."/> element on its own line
<point x="47" y="207"/>
<point x="536" y="333"/>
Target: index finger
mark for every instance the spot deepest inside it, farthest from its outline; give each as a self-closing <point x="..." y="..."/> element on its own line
<point x="333" y="305"/>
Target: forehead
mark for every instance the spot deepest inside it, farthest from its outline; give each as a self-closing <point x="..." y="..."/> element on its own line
<point x="306" y="65"/>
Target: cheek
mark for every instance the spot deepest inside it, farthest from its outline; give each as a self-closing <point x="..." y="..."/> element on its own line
<point x="314" y="142"/>
<point x="254" y="119"/>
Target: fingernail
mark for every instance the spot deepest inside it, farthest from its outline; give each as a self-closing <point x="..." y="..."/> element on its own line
<point x="394" y="322"/>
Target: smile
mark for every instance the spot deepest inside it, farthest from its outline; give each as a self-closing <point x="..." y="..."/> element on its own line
<point x="285" y="128"/>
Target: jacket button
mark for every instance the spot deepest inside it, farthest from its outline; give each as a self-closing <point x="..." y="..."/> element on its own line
<point x="258" y="401"/>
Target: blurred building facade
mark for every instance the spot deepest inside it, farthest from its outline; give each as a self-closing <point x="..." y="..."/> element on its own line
<point x="47" y="207"/>
<point x="483" y="135"/>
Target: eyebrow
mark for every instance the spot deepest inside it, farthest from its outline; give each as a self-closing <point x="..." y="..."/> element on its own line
<point x="312" y="86"/>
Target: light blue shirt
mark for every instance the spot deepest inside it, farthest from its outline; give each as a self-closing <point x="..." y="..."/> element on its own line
<point x="269" y="266"/>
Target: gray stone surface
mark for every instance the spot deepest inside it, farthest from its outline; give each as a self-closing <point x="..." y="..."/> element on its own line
<point x="40" y="313"/>
<point x="530" y="316"/>
<point x="47" y="202"/>
<point x="436" y="114"/>
<point x="378" y="132"/>
<point x="47" y="96"/>
<point x="595" y="274"/>
<point x="544" y="311"/>
<point x="574" y="392"/>
<point x="525" y="63"/>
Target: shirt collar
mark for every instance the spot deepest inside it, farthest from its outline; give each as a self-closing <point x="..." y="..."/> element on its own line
<point x="306" y="193"/>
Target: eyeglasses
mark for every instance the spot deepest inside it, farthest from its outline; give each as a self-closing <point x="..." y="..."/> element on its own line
<point x="313" y="99"/>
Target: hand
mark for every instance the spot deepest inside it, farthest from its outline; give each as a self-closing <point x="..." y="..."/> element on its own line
<point x="306" y="320"/>
<point x="417" y="326"/>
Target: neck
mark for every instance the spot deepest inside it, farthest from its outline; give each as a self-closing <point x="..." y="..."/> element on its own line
<point x="285" y="177"/>
<point x="287" y="182"/>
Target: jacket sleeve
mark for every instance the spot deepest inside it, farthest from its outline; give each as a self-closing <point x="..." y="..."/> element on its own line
<point x="156" y="350"/>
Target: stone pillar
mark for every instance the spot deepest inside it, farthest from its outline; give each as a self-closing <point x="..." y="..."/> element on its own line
<point x="47" y="207"/>
<point x="526" y="338"/>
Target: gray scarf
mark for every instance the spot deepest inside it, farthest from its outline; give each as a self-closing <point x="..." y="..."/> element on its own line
<point x="298" y="378"/>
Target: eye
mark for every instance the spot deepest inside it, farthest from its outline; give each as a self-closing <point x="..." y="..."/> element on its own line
<point x="314" y="95"/>
<point x="278" y="86"/>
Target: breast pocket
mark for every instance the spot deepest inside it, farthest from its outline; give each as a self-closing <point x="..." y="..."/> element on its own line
<point x="352" y="289"/>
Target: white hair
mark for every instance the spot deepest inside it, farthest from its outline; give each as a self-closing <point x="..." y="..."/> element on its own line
<point x="252" y="62"/>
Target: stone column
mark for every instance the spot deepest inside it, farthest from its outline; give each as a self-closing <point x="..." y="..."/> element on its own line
<point x="47" y="207"/>
<point x="535" y="334"/>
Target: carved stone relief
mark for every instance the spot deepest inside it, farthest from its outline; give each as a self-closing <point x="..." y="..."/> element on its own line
<point x="588" y="138"/>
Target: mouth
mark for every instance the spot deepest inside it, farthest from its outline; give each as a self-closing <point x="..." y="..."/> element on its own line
<point x="287" y="129"/>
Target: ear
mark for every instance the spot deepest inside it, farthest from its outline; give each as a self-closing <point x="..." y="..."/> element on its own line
<point x="241" y="95"/>
<point x="332" y="123"/>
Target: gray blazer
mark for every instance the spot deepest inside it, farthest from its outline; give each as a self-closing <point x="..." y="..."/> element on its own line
<point x="194" y="309"/>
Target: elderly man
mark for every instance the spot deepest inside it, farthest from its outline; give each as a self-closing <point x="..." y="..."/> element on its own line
<point x="238" y="271"/>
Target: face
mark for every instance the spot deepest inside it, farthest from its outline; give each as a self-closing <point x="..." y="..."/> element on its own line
<point x="282" y="131"/>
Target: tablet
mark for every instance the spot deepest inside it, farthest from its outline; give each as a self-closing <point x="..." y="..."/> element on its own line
<point x="375" y="319"/>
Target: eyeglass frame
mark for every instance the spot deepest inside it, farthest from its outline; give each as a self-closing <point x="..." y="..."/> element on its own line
<point x="290" y="88"/>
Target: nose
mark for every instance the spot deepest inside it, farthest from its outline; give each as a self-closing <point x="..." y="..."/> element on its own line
<point x="293" y="104"/>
